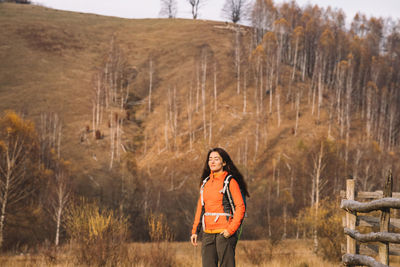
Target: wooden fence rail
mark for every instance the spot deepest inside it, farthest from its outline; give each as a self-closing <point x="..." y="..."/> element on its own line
<point x="384" y="236"/>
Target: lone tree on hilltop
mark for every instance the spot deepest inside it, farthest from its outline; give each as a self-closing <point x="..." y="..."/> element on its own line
<point x="195" y="7"/>
<point x="169" y="8"/>
<point x="234" y="9"/>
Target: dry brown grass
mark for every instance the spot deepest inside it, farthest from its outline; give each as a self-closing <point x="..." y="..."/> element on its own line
<point x="288" y="253"/>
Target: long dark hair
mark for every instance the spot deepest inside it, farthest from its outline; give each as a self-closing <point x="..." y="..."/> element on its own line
<point x="229" y="167"/>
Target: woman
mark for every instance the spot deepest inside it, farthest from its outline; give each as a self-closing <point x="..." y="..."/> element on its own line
<point x="219" y="211"/>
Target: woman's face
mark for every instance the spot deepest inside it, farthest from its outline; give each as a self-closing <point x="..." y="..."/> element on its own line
<point x="215" y="162"/>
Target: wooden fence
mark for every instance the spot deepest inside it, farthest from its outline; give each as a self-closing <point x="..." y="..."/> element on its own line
<point x="378" y="201"/>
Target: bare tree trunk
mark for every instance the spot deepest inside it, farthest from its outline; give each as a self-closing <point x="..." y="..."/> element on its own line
<point x="303" y="69"/>
<point x="313" y="99"/>
<point x="261" y="94"/>
<point x="392" y="116"/>
<point x="269" y="210"/>
<point x="4" y="206"/>
<point x="112" y="140"/>
<point x="119" y="137"/>
<point x="318" y="170"/>
<point x="277" y="94"/>
<point x="150" y="82"/>
<point x="12" y="177"/>
<point x="210" y="130"/>
<point x="244" y="92"/>
<point x="295" y="59"/>
<point x="368" y="111"/>
<point x="348" y="116"/>
<point x="256" y="91"/>
<point x="293" y="70"/>
<point x="257" y="138"/>
<point x="203" y="91"/>
<point x="284" y="221"/>
<point x="278" y="171"/>
<point x="175" y="119"/>
<point x="146" y="197"/>
<point x="61" y="198"/>
<point x="189" y="112"/>
<point x="166" y="131"/>
<point x="98" y="104"/>
<point x="356" y="165"/>
<point x="145" y="144"/>
<point x="237" y="58"/>
<point x="215" y="87"/>
<point x="320" y="91"/>
<point x="197" y="87"/>
<point x="331" y="111"/>
<point x="58" y="145"/>
<point x="297" y="112"/>
<point x="270" y="91"/>
<point x="246" y="146"/>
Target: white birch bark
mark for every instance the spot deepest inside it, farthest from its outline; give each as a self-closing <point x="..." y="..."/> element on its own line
<point x="297" y="112"/>
<point x="237" y="59"/>
<point x="245" y="92"/>
<point x="215" y="87"/>
<point x="203" y="91"/>
<point x="150" y="83"/>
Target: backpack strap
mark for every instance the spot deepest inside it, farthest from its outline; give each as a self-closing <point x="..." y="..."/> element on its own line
<point x="202" y="203"/>
<point x="202" y="189"/>
<point x="225" y="190"/>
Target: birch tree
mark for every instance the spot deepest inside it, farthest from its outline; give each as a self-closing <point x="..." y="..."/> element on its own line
<point x="60" y="194"/>
<point x="263" y="14"/>
<point x="203" y="88"/>
<point x="17" y="146"/>
<point x="215" y="87"/>
<point x="317" y="186"/>
<point x="237" y="58"/>
<point x="50" y="134"/>
<point x="281" y="29"/>
<point x="269" y="43"/>
<point x="234" y="10"/>
<point x="169" y="8"/>
<point x="114" y="91"/>
<point x="189" y="108"/>
<point x="297" y="38"/>
<point x="195" y="4"/>
<point x="98" y="101"/>
<point x="150" y="83"/>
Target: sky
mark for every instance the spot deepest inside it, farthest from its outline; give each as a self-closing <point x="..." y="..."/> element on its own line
<point x="211" y="9"/>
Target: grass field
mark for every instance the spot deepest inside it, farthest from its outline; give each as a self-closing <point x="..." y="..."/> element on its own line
<point x="288" y="253"/>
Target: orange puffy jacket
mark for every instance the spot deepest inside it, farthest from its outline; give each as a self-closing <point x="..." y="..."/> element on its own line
<point x="213" y="203"/>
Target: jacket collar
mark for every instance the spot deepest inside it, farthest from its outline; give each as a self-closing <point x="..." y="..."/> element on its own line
<point x="218" y="176"/>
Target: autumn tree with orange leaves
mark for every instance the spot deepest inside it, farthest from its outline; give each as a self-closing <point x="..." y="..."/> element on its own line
<point x="18" y="146"/>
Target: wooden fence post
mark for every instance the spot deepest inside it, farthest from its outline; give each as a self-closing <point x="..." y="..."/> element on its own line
<point x="351" y="218"/>
<point x="385" y="220"/>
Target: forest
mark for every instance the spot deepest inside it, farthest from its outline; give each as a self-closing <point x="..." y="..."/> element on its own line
<point x="302" y="99"/>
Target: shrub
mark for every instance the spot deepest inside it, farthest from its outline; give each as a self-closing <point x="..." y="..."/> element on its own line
<point x="159" y="229"/>
<point x="259" y="253"/>
<point x="97" y="237"/>
<point x="329" y="228"/>
<point x="161" y="235"/>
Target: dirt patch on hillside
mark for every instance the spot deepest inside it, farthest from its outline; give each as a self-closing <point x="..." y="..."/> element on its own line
<point x="50" y="38"/>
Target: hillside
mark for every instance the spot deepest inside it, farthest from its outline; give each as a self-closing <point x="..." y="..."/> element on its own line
<point x="49" y="61"/>
<point x="49" y="58"/>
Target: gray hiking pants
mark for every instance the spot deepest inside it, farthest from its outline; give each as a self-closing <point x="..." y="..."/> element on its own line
<point x="216" y="248"/>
